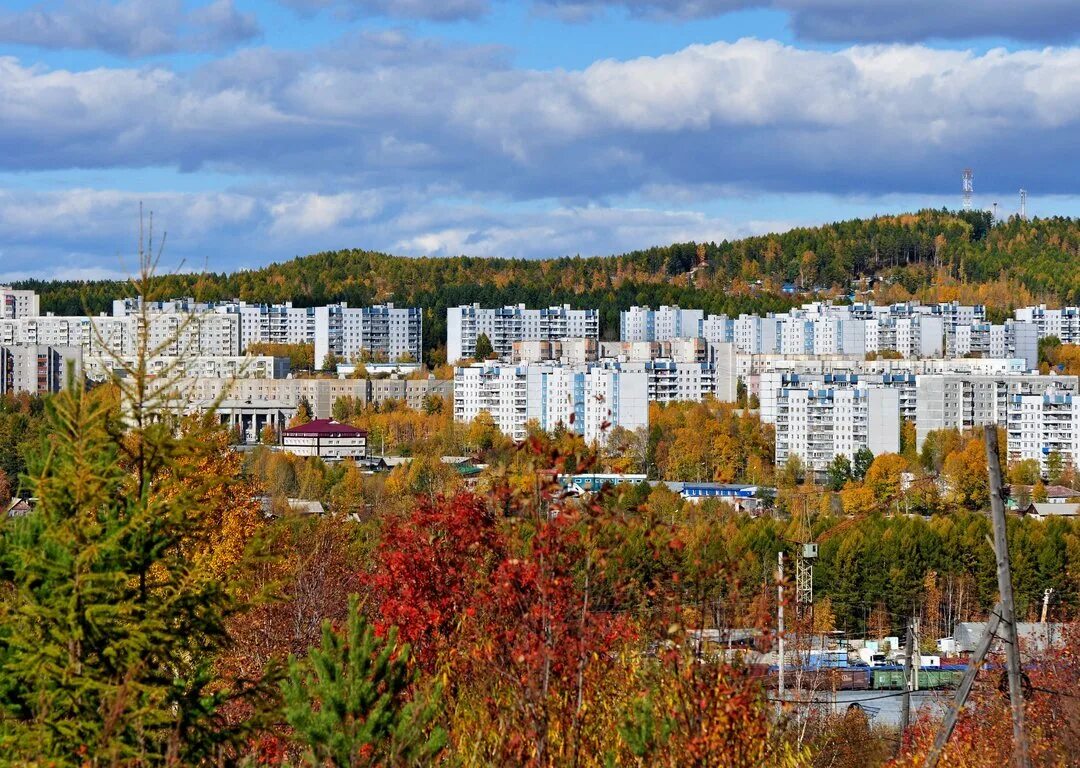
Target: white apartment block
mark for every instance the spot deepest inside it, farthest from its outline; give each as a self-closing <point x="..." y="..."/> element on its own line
<point x="819" y="423"/>
<point x="962" y="401"/>
<point x="1041" y="425"/>
<point x="718" y="329"/>
<point x="39" y="368"/>
<point x="1013" y="339"/>
<point x="505" y="325"/>
<point x="587" y="400"/>
<point x="381" y="332"/>
<point x="1063" y="323"/>
<point x="770" y="387"/>
<point x="664" y="324"/>
<point x="16" y="304"/>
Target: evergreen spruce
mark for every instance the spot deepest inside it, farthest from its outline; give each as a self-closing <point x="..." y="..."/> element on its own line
<point x="349" y="701"/>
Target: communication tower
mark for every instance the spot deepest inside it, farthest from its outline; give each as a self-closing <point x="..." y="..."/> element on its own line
<point x="969" y="187"/>
<point x="1023" y="205"/>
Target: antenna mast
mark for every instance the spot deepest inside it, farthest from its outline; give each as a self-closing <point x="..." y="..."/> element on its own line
<point x="969" y="187"/>
<point x="1023" y="205"/>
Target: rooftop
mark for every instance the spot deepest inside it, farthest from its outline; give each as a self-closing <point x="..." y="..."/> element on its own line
<point x="325" y="428"/>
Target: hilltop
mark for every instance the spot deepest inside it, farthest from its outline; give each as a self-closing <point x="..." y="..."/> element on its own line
<point x="934" y="255"/>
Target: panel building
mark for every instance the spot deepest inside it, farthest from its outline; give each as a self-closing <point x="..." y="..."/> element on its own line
<point x="38" y="369"/>
<point x="505" y="325"/>
<point x="817" y="424"/>
<point x="588" y="400"/>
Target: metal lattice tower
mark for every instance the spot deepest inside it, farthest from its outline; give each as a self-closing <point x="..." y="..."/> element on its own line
<point x="1023" y="204"/>
<point x="969" y="187"/>
<point x="804" y="586"/>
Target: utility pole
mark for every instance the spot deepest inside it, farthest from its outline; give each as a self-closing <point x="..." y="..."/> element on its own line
<point x="780" y="629"/>
<point x="964" y="689"/>
<point x="1008" y="614"/>
<point x="1046" y="603"/>
<point x="905" y="714"/>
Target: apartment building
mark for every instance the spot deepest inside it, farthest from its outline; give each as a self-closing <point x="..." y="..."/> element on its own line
<point x="962" y="401"/>
<point x="819" y="423"/>
<point x="103" y="336"/>
<point x="18" y="304"/>
<point x="1012" y="339"/>
<point x="771" y="386"/>
<point x="1044" y="427"/>
<point x="587" y="399"/>
<point x="1064" y="323"/>
<point x="38" y="369"/>
<point x="664" y="324"/>
<point x="571" y="351"/>
<point x="505" y="325"/>
<point x="380" y="332"/>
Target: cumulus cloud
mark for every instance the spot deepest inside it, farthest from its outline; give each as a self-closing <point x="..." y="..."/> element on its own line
<point x="748" y="116"/>
<point x="430" y="10"/>
<point x="847" y="21"/>
<point x="82" y="233"/>
<point x="131" y="28"/>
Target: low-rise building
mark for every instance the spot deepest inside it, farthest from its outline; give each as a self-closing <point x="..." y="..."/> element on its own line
<point x="325" y="438"/>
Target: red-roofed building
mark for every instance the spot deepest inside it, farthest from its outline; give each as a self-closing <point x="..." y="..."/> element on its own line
<point x="328" y="439"/>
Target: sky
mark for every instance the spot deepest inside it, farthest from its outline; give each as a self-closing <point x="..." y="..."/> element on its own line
<point x="260" y="130"/>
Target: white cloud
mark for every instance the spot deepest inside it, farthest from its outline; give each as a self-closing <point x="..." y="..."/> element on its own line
<point x="130" y="27"/>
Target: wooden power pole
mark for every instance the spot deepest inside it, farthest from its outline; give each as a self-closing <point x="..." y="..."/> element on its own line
<point x="1003" y="616"/>
<point x="780" y="630"/>
<point x="905" y="714"/>
<point x="1008" y="613"/>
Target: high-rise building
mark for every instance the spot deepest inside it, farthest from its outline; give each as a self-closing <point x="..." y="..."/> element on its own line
<point x="505" y="325"/>
<point x="39" y="368"/>
<point x="818" y="424"/>
<point x="589" y="400"/>
<point x="1044" y="427"/>
<point x="17" y="304"/>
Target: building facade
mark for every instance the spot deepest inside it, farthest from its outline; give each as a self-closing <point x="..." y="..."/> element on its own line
<point x="817" y="424"/>
<point x="39" y="369"/>
<point x="505" y="325"/>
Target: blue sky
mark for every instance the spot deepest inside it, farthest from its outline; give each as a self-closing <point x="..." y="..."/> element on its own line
<point x="257" y="130"/>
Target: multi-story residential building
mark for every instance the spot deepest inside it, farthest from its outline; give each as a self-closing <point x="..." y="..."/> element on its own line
<point x="382" y="332"/>
<point x="105" y="337"/>
<point x="770" y="387"/>
<point x="1063" y="323"/>
<point x="962" y="401"/>
<point x="573" y="351"/>
<point x="718" y="329"/>
<point x="17" y="304"/>
<point x="588" y="400"/>
<point x="757" y="335"/>
<point x="819" y="423"/>
<point x="505" y="325"/>
<point x="664" y="324"/>
<point x="39" y="368"/>
<point x="672" y="380"/>
<point x="1044" y="427"/>
<point x="1012" y="339"/>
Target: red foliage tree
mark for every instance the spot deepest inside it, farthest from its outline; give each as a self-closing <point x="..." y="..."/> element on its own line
<point x="430" y="565"/>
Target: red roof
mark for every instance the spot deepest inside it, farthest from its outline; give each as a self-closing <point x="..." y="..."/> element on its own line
<point x="325" y="428"/>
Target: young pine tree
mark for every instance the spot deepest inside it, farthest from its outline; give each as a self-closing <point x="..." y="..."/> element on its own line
<point x="110" y="621"/>
<point x="350" y="701"/>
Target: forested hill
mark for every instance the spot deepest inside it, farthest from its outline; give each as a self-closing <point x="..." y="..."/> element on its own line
<point x="933" y="255"/>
